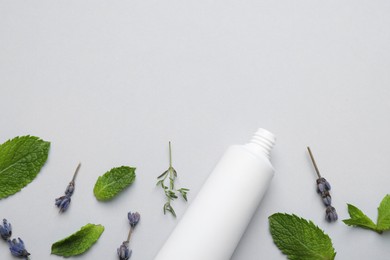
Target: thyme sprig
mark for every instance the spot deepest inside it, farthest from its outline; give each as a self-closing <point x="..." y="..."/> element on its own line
<point x="170" y="191"/>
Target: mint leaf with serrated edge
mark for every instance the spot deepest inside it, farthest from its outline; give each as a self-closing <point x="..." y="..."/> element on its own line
<point x="300" y="239"/>
<point x="78" y="242"/>
<point x="21" y="159"/>
<point x="359" y="219"/>
<point x="113" y="182"/>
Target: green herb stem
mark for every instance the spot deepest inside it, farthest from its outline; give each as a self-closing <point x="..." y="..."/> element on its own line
<point x="170" y="191"/>
<point x="170" y="155"/>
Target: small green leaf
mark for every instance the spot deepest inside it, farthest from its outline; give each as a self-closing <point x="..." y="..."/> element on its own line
<point x="358" y="218"/>
<point x="113" y="182"/>
<point x="163" y="174"/>
<point x="78" y="242"/>
<point x="21" y="159"/>
<point x="183" y="192"/>
<point x="300" y="239"/>
<point x="168" y="207"/>
<point x="383" y="222"/>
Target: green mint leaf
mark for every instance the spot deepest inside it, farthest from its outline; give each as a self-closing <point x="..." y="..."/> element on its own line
<point x="21" y="159"/>
<point x="300" y="239"/>
<point x="383" y="222"/>
<point x="113" y="182"/>
<point x="78" y="242"/>
<point x="358" y="218"/>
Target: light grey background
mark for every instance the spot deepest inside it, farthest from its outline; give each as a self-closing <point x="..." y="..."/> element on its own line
<point x="109" y="83"/>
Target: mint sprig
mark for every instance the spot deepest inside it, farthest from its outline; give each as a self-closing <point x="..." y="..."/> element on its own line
<point x="21" y="159"/>
<point x="359" y="219"/>
<point x="300" y="239"/>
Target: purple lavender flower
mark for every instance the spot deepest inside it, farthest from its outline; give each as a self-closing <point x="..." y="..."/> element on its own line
<point x="124" y="253"/>
<point x="17" y="248"/>
<point x="5" y="230"/>
<point x="322" y="185"/>
<point x="63" y="203"/>
<point x="326" y="198"/>
<point x="133" y="218"/>
<point x="331" y="214"/>
<point x="69" y="189"/>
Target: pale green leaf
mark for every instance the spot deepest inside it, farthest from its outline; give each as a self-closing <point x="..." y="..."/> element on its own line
<point x="78" y="242"/>
<point x="113" y="182"/>
<point x="21" y="159"/>
<point x="300" y="239"/>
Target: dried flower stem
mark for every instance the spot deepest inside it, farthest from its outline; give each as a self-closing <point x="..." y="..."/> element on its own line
<point x="76" y="171"/>
<point x="129" y="235"/>
<point x="314" y="162"/>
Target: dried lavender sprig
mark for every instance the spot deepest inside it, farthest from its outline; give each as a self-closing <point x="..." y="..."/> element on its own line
<point x="5" y="230"/>
<point x="63" y="202"/>
<point x="323" y="188"/>
<point x="124" y="253"/>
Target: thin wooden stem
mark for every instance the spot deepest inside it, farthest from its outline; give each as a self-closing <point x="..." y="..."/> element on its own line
<point x="75" y="173"/>
<point x="314" y="162"/>
<point x="129" y="235"/>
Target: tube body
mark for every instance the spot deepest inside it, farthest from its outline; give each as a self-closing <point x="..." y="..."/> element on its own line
<point x="217" y="218"/>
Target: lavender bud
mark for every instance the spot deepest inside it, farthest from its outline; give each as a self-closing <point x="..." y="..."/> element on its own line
<point x="322" y="185"/>
<point x="5" y="230"/>
<point x="327" y="185"/>
<point x="331" y="214"/>
<point x="17" y="248"/>
<point x="69" y="189"/>
<point x="133" y="218"/>
<point x="63" y="203"/>
<point x="124" y="253"/>
<point x="326" y="198"/>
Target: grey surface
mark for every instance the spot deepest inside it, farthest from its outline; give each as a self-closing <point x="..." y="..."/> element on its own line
<point x="109" y="83"/>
